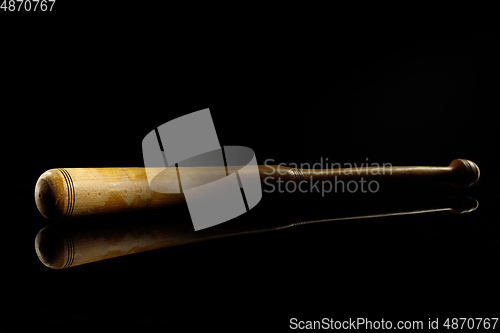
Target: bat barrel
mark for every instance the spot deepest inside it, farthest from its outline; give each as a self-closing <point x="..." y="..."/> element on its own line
<point x="71" y="192"/>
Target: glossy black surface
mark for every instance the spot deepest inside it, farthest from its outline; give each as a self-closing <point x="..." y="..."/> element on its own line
<point x="83" y="96"/>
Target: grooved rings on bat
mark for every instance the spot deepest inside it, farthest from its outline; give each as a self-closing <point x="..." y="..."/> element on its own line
<point x="71" y="192"/>
<point x="298" y="175"/>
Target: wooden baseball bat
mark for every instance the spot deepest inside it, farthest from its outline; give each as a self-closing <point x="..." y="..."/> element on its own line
<point x="73" y="192"/>
<point x="63" y="245"/>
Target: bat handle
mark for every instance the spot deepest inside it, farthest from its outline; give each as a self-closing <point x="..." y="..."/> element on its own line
<point x="460" y="173"/>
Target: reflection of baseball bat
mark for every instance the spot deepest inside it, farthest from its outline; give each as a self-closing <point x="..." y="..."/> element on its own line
<point x="61" y="193"/>
<point x="62" y="245"/>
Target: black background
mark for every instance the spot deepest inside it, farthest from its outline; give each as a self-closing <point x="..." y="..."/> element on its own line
<point x="81" y="88"/>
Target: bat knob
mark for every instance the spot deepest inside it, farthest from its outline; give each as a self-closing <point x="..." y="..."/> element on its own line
<point x="466" y="173"/>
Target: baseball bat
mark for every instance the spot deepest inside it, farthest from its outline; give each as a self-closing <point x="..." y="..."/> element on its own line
<point x="75" y="192"/>
<point x="63" y="245"/>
